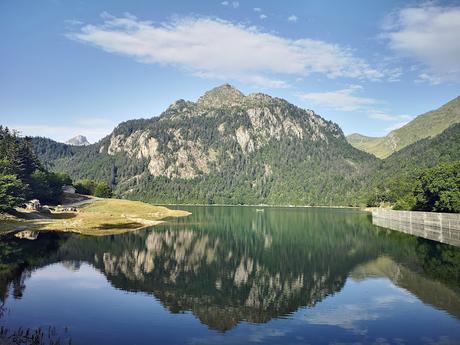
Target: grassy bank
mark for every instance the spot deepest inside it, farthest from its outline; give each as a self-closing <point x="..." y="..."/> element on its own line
<point x="98" y="218"/>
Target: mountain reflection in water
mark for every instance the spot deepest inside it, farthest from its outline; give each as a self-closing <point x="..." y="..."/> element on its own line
<point x="229" y="264"/>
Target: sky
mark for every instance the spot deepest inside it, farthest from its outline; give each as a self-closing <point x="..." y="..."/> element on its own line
<point x="82" y="67"/>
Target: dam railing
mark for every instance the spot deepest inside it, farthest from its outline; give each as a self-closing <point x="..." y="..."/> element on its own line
<point x="441" y="227"/>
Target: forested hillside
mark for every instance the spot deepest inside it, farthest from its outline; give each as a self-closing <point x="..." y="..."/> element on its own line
<point x="22" y="176"/>
<point x="427" y="125"/>
<point x="398" y="179"/>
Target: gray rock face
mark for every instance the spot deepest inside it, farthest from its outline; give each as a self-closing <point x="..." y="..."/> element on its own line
<point x="79" y="140"/>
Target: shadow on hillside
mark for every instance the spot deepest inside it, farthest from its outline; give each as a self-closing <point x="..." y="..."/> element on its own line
<point x="67" y="215"/>
<point x="108" y="226"/>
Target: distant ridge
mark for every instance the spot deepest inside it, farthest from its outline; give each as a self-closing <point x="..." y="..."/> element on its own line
<point x="423" y="126"/>
<point x="79" y="140"/>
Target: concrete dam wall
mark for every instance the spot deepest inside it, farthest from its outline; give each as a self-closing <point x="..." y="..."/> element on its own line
<point x="441" y="227"/>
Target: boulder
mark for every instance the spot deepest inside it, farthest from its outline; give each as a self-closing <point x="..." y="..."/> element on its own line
<point x="34" y="205"/>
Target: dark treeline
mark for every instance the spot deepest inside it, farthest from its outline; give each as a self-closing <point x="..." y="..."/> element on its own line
<point x="24" y="177"/>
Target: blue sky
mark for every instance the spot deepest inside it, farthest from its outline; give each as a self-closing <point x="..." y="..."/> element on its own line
<point x="81" y="67"/>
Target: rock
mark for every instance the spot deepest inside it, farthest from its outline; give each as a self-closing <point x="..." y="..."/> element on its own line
<point x="34" y="205"/>
<point x="27" y="234"/>
<point x="68" y="189"/>
<point x="45" y="210"/>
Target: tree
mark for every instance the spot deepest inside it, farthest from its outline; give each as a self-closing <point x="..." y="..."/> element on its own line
<point x="438" y="189"/>
<point x="86" y="187"/>
<point x="22" y="174"/>
<point x="46" y="187"/>
<point x="103" y="190"/>
<point x="12" y="192"/>
<point x="64" y="179"/>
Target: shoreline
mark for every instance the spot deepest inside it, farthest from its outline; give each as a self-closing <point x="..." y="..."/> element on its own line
<point x="94" y="217"/>
<point x="268" y="206"/>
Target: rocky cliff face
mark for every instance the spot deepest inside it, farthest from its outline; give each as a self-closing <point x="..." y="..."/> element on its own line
<point x="79" y="140"/>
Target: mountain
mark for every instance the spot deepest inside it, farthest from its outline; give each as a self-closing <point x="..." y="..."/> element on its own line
<point x="395" y="179"/>
<point x="425" y="153"/>
<point x="423" y="126"/>
<point x="79" y="140"/>
<point x="226" y="148"/>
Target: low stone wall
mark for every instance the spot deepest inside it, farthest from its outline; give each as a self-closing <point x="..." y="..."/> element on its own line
<point x="441" y="227"/>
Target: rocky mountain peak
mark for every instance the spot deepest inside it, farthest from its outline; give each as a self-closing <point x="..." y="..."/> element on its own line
<point x="79" y="140"/>
<point x="224" y="95"/>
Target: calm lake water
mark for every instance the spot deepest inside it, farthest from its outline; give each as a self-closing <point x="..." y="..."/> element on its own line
<point x="232" y="275"/>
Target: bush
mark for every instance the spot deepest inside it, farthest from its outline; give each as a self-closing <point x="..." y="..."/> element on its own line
<point x="86" y="187"/>
<point x="64" y="179"/>
<point x="103" y="190"/>
<point x="438" y="189"/>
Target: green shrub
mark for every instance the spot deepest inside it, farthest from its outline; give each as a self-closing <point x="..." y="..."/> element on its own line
<point x="103" y="190"/>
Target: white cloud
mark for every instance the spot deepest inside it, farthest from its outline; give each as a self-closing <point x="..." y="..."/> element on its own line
<point x="343" y="100"/>
<point x="379" y="115"/>
<point x="93" y="128"/>
<point x="348" y="316"/>
<point x="257" y="9"/>
<point x="234" y="4"/>
<point x="221" y="49"/>
<point x="263" y="16"/>
<point x="432" y="79"/>
<point x="347" y="100"/>
<point x="430" y="35"/>
<point x="396" y="125"/>
<point x="293" y="19"/>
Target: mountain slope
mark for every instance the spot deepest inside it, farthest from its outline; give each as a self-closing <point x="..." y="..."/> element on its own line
<point x="406" y="164"/>
<point x="426" y="125"/>
<point x="226" y="148"/>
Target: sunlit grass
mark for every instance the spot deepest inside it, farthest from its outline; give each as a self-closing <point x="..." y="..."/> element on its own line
<point x="102" y="217"/>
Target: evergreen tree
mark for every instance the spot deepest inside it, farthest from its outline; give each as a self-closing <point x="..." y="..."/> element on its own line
<point x="12" y="192"/>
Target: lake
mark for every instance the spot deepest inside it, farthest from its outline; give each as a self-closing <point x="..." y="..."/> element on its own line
<point x="235" y="275"/>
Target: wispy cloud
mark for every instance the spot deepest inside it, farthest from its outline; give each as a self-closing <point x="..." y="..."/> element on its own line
<point x="380" y="115"/>
<point x="343" y="100"/>
<point x="293" y="19"/>
<point x="216" y="48"/>
<point x="430" y="35"/>
<point x="263" y="16"/>
<point x="257" y="9"/>
<point x="234" y="4"/>
<point x="396" y="125"/>
<point x="349" y="100"/>
<point x="348" y="316"/>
